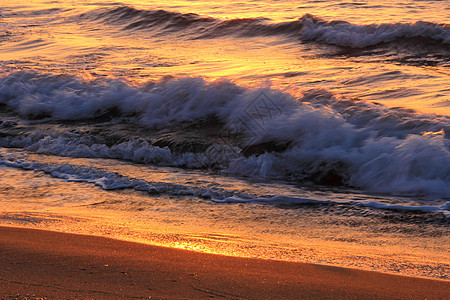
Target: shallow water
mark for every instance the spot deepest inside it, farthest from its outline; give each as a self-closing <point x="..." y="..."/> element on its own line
<point x="311" y="131"/>
<point x="185" y="209"/>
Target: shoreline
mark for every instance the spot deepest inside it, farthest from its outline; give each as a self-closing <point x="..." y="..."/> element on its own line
<point x="51" y="265"/>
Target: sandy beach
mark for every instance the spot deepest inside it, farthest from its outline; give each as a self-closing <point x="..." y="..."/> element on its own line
<point x="52" y="265"/>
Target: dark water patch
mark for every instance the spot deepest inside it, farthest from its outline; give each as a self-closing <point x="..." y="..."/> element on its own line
<point x="380" y="220"/>
<point x="419" y="52"/>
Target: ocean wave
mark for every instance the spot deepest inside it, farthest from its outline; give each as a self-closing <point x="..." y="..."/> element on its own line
<point x="113" y="180"/>
<point x="286" y="200"/>
<point x="188" y="122"/>
<point x="306" y="28"/>
<point x="108" y="180"/>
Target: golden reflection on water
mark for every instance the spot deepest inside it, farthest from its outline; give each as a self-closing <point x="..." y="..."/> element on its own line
<point x="32" y="199"/>
<point x="93" y="50"/>
<point x="434" y="133"/>
<point x="380" y="11"/>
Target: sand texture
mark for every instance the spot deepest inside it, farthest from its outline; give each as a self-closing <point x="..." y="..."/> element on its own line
<point x="44" y="264"/>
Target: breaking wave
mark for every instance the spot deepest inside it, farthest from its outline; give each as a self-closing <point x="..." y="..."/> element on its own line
<point x="188" y="122"/>
<point x="306" y="28"/>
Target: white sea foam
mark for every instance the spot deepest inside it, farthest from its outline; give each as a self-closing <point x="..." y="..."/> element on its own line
<point x="368" y="146"/>
<point x="359" y="36"/>
<point x="114" y="180"/>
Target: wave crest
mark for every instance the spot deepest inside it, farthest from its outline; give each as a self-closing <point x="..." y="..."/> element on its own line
<point x="318" y="137"/>
<point x="306" y="28"/>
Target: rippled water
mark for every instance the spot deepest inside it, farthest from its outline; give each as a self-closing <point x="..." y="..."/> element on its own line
<point x="395" y="53"/>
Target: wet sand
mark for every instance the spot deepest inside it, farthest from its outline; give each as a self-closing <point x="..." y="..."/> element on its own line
<point x="44" y="264"/>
